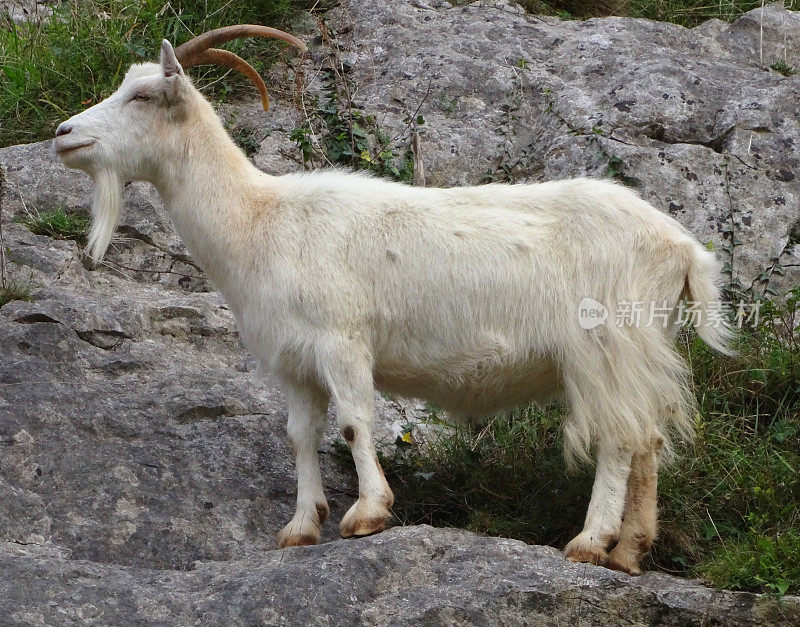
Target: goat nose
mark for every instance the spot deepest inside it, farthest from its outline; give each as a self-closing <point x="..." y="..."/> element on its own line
<point x="63" y="129"/>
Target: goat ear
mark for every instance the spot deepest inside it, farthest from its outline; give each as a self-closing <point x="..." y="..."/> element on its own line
<point x="169" y="62"/>
<point x="173" y="86"/>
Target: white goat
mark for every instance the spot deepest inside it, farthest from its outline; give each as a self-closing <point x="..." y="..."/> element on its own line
<point x="469" y="297"/>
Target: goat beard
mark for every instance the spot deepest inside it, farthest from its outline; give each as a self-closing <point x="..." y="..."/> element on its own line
<point x="106" y="208"/>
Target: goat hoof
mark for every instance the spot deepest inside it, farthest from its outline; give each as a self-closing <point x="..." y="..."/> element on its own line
<point x="296" y="540"/>
<point x="598" y="558"/>
<point x="303" y="533"/>
<point x="364" y="519"/>
<point x="621" y="560"/>
<point x="361" y="528"/>
<point x="578" y="550"/>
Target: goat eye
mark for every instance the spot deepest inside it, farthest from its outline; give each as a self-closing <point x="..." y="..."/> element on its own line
<point x="140" y="97"/>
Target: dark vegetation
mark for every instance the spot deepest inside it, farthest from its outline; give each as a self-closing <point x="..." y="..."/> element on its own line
<point x="14" y="290"/>
<point x="684" y="12"/>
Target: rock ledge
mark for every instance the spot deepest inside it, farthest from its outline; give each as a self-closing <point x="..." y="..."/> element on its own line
<point x="407" y="575"/>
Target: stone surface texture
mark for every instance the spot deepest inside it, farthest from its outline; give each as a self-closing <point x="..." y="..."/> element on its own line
<point x="407" y="575"/>
<point x="694" y="118"/>
<point x="144" y="470"/>
<point x="22" y="11"/>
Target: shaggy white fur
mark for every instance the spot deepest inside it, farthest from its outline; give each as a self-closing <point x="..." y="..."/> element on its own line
<point x="468" y="297"/>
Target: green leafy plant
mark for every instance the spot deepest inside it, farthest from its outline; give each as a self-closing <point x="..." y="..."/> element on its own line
<point x="616" y="170"/>
<point x="615" y="166"/>
<point x="348" y="136"/>
<point x="247" y="141"/>
<point x="783" y="68"/>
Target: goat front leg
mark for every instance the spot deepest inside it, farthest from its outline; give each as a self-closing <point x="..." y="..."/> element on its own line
<point x="351" y="384"/>
<point x="604" y="516"/>
<point x="640" y="522"/>
<point x="308" y="407"/>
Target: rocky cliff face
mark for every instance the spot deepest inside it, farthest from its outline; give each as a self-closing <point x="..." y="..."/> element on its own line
<point x="692" y="118"/>
<point x="144" y="473"/>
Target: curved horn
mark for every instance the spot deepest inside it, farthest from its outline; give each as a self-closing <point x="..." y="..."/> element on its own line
<point x="215" y="56"/>
<point x="214" y="38"/>
<point x="201" y="51"/>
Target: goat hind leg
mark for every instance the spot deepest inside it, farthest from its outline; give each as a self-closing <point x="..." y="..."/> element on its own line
<point x="308" y="407"/>
<point x="604" y="516"/>
<point x="640" y="522"/>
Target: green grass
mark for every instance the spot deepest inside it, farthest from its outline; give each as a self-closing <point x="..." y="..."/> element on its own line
<point x="692" y="12"/>
<point x="54" y="69"/>
<point x="729" y="505"/>
<point x="14" y="290"/>
<point x="685" y="12"/>
<point x="57" y="223"/>
<point x="504" y="479"/>
<point x="568" y="9"/>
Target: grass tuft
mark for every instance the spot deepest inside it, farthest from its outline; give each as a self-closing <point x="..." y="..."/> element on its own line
<point x="505" y="479"/>
<point x="57" y="223"/>
<point x="690" y="13"/>
<point x="684" y="12"/>
<point x="14" y="290"/>
<point x="569" y="9"/>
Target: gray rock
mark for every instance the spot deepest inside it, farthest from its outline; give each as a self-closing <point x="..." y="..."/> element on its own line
<point x="37" y="181"/>
<point x="270" y="129"/>
<point x="404" y="576"/>
<point x="693" y="118"/>
<point x="27" y="10"/>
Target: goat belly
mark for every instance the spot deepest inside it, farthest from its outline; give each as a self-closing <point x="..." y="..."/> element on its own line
<point x="474" y="383"/>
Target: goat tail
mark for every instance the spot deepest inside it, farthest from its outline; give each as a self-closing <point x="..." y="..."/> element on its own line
<point x="703" y="293"/>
